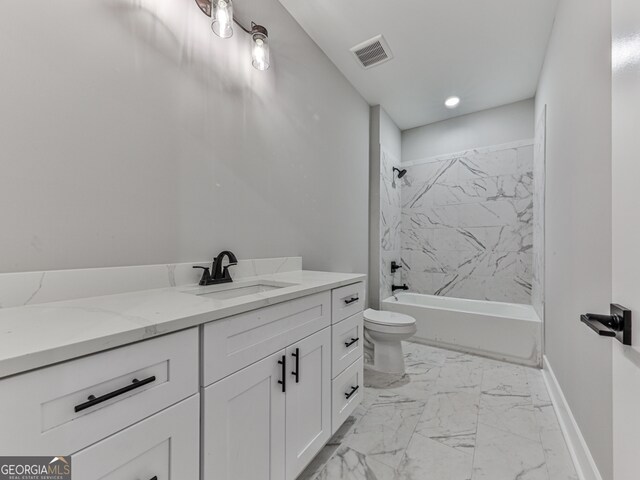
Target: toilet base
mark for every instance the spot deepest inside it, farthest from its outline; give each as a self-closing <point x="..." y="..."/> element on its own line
<point x="388" y="356"/>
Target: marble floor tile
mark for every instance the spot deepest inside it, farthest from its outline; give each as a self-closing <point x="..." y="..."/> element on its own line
<point x="332" y="446"/>
<point x="506" y="380"/>
<point x="384" y="432"/>
<point x="460" y="374"/>
<point x="557" y="457"/>
<point x="501" y="455"/>
<point x="426" y="353"/>
<point x="451" y="416"/>
<point x="427" y="459"/>
<point x="416" y="384"/>
<point x="382" y="388"/>
<point x="348" y="464"/>
<point x="513" y="414"/>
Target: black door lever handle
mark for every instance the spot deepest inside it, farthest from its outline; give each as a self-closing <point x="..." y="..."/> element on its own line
<point x="595" y="324"/>
<point x="617" y="324"/>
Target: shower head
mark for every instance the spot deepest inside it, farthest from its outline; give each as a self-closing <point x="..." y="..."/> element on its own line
<point x="401" y="173"/>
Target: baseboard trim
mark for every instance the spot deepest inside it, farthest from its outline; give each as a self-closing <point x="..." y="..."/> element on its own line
<point x="585" y="465"/>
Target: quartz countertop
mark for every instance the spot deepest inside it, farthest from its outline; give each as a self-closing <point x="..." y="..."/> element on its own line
<point x="35" y="336"/>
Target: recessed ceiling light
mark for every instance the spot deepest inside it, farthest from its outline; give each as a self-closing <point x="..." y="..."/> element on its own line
<point x="452" y="102"/>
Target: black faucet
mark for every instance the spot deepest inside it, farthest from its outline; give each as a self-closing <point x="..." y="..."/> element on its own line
<point x="220" y="273"/>
<point x="399" y="287"/>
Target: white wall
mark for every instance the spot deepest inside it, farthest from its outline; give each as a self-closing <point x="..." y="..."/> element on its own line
<point x="384" y="136"/>
<point x="575" y="85"/>
<point x="481" y="129"/>
<point x="132" y="135"/>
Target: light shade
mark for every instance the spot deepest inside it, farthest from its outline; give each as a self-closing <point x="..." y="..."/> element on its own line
<point x="260" y="48"/>
<point x="452" y="102"/>
<point x="222" y="15"/>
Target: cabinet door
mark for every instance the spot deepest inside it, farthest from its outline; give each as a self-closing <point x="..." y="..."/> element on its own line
<point x="163" y="446"/>
<point x="244" y="423"/>
<point x="308" y="399"/>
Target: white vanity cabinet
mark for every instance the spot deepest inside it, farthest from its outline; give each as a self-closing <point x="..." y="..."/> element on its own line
<point x="266" y="419"/>
<point x="253" y="396"/>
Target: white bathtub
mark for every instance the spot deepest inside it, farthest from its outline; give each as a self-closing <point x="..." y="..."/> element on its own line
<point x="505" y="331"/>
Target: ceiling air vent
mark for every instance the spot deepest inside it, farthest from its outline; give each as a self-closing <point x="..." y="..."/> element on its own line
<point x="372" y="52"/>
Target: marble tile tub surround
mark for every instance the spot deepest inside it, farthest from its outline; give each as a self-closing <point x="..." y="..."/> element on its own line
<point x="452" y="416"/>
<point x="29" y="288"/>
<point x="467" y="221"/>
<point x="390" y="222"/>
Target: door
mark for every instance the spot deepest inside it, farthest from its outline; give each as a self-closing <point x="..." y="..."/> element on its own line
<point x="244" y="423"/>
<point x="626" y="233"/>
<point x="308" y="399"/>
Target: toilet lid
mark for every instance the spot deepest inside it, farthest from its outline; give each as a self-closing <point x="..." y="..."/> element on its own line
<point x="388" y="318"/>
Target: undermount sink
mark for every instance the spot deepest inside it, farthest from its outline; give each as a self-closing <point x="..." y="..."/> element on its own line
<point x="230" y="290"/>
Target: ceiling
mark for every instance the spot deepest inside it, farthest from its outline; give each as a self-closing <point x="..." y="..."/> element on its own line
<point x="487" y="52"/>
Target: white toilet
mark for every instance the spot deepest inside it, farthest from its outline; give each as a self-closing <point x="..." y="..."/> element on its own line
<point x="386" y="330"/>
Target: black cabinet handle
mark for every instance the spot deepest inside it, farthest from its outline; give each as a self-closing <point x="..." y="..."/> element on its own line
<point x="108" y="396"/>
<point x="351" y="300"/>
<point x="296" y="372"/>
<point x="353" y="340"/>
<point x="283" y="382"/>
<point x="353" y="390"/>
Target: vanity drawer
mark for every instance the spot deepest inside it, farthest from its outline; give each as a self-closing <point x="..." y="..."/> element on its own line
<point x="164" y="446"/>
<point x="347" y="301"/>
<point x="65" y="407"/>
<point x="347" y="340"/>
<point x="233" y="343"/>
<point x="347" y="393"/>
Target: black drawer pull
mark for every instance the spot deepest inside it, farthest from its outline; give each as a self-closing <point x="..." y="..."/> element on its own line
<point x="351" y="300"/>
<point x="283" y="382"/>
<point x="353" y="390"/>
<point x="353" y="340"/>
<point x="296" y="373"/>
<point x="108" y="396"/>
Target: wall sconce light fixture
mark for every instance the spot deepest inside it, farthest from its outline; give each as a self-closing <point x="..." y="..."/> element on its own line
<point x="221" y="12"/>
<point x="222" y="17"/>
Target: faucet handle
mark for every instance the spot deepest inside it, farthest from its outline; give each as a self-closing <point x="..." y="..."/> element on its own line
<point x="206" y="275"/>
<point x="225" y="271"/>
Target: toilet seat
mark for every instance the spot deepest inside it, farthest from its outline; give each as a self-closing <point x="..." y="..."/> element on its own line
<point x="389" y="319"/>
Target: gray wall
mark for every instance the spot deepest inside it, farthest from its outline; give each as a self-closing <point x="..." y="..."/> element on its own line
<point x="576" y="87"/>
<point x="132" y="135"/>
<point x="481" y="129"/>
<point x="384" y="136"/>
